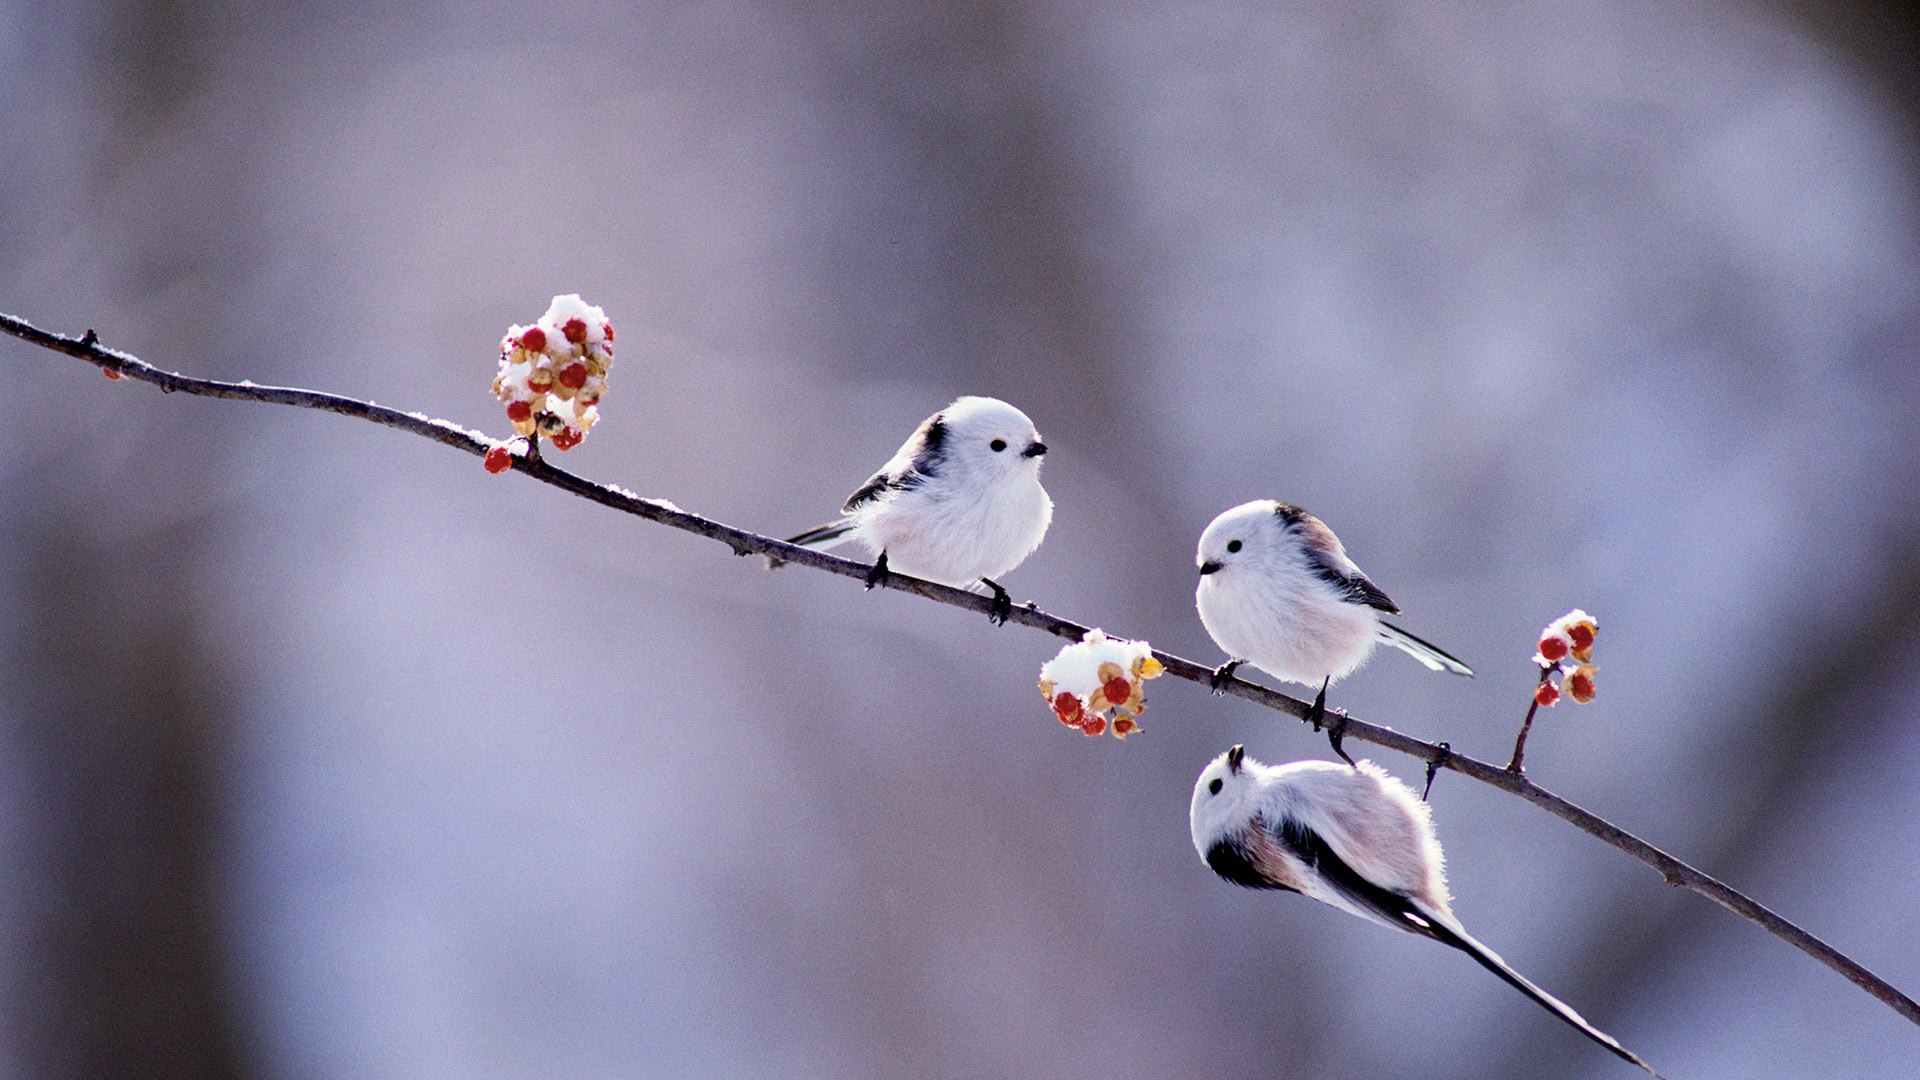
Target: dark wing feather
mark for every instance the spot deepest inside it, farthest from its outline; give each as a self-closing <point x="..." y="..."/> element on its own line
<point x="879" y="484"/>
<point x="1328" y="561"/>
<point x="1395" y="909"/>
<point x="1231" y="858"/>
<point x="1355" y="587"/>
<point x="919" y="459"/>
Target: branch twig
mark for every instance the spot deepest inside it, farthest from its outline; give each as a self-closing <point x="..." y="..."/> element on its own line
<point x="1520" y="742"/>
<point x="1437" y="756"/>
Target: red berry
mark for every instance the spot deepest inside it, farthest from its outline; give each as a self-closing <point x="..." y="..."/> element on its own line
<point x="1067" y="708"/>
<point x="567" y="439"/>
<point x="112" y="374"/>
<point x="519" y="411"/>
<point x="1093" y="725"/>
<point x="1124" y="725"/>
<point x="534" y="340"/>
<point x="1582" y="635"/>
<point x="1580" y="686"/>
<point x="607" y="329"/>
<point x="1117" y="690"/>
<point x="1554" y="648"/>
<point x="498" y="459"/>
<point x="575" y="330"/>
<point x="1546" y="694"/>
<point x="573" y="376"/>
<point x="540" y="386"/>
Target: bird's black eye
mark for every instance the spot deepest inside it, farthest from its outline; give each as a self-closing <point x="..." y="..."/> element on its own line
<point x="1233" y="545"/>
<point x="1213" y="788"/>
<point x="998" y="445"/>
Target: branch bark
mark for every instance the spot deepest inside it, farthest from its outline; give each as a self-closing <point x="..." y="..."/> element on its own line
<point x="1510" y="780"/>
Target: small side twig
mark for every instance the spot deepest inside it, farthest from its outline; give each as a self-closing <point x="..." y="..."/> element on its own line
<point x="1520" y="743"/>
<point x="1510" y="779"/>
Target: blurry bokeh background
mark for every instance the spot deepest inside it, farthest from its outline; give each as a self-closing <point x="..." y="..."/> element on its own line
<point x="324" y="754"/>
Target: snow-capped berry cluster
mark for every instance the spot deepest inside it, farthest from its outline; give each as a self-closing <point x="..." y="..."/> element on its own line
<point x="553" y="373"/>
<point x="1100" y="679"/>
<point x="1566" y="650"/>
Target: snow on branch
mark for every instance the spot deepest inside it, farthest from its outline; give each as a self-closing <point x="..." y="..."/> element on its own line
<point x="121" y="365"/>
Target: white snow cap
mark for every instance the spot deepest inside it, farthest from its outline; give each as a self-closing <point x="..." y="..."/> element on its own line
<point x="594" y="327"/>
<point x="553" y="373"/>
<point x="1099" y="677"/>
<point x="1077" y="668"/>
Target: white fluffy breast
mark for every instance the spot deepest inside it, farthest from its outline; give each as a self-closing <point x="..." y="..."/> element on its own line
<point x="1285" y="622"/>
<point x="948" y="531"/>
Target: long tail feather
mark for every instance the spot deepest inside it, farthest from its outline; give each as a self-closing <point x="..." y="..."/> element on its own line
<point x="1442" y="931"/>
<point x="1422" y="651"/>
<point x="824" y="536"/>
<point x="832" y="534"/>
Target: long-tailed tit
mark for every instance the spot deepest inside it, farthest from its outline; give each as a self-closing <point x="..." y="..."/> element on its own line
<point x="1352" y="836"/>
<point x="960" y="502"/>
<point x="1278" y="591"/>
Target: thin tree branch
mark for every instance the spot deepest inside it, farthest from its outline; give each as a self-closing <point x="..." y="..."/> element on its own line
<point x="1673" y="870"/>
<point x="1520" y="741"/>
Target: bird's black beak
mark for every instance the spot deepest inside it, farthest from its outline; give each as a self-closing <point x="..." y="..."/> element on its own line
<point x="1209" y="567"/>
<point x="1034" y="449"/>
<point x="1234" y="757"/>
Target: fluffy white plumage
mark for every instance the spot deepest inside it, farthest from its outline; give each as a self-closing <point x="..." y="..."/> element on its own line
<point x="1352" y="836"/>
<point x="959" y="503"/>
<point x="1365" y="814"/>
<point x="1277" y="590"/>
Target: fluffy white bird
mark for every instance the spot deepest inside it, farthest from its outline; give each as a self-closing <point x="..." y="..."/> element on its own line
<point x="960" y="503"/>
<point x="1278" y="591"/>
<point x="1352" y="836"/>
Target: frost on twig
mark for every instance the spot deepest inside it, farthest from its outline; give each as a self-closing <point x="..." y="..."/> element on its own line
<point x="1100" y="679"/>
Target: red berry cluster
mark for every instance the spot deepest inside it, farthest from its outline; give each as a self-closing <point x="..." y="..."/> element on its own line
<point x="1566" y="649"/>
<point x="553" y="373"/>
<point x="1099" y="684"/>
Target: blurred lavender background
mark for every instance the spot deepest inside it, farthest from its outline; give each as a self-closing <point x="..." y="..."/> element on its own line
<point x="323" y="754"/>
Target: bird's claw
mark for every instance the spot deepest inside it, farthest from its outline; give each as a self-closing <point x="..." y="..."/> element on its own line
<point x="1002" y="603"/>
<point x="879" y="574"/>
<point x="1221" y="676"/>
<point x="1336" y="731"/>
<point x="1335" y="722"/>
<point x="1434" y="766"/>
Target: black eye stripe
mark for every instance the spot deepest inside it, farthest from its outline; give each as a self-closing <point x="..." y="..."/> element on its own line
<point x="1214" y="787"/>
<point x="998" y="445"/>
